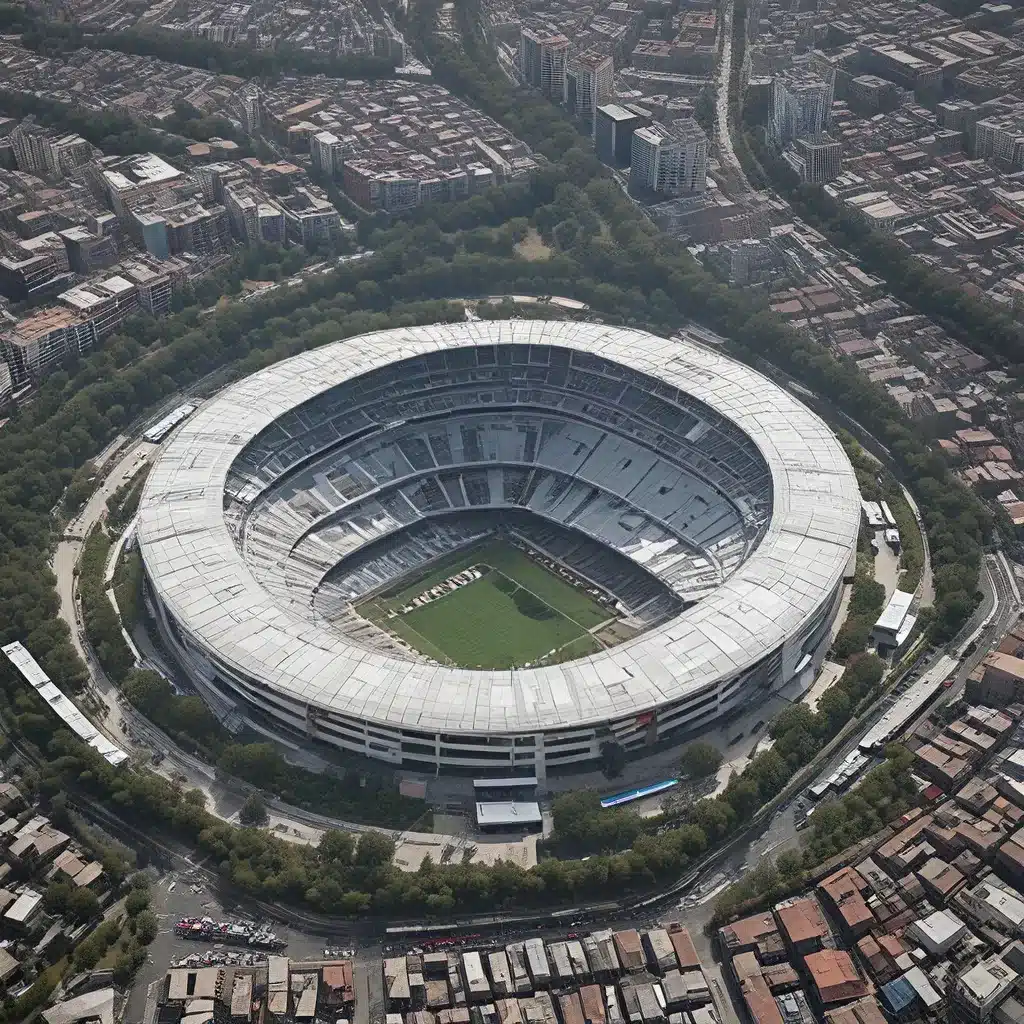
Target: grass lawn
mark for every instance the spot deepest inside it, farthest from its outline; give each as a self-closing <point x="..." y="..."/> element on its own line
<point x="518" y="612"/>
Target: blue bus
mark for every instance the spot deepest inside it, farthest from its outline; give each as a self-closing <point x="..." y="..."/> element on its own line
<point x="638" y="794"/>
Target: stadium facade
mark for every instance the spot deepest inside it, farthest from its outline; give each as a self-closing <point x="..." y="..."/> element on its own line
<point x="720" y="513"/>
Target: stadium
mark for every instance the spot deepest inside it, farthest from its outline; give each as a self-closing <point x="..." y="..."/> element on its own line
<point x="496" y="546"/>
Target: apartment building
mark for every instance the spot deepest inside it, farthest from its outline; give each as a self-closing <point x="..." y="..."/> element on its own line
<point x="156" y="281"/>
<point x="41" y="151"/>
<point x="589" y="81"/>
<point x="376" y="185"/>
<point x="896" y="64"/>
<point x="310" y="218"/>
<point x="817" y="159"/>
<point x="328" y="153"/>
<point x="38" y="344"/>
<point x="87" y="251"/>
<point x="169" y="224"/>
<point x="1001" y="138"/>
<point x="801" y="105"/>
<point x="613" y="132"/>
<point x="26" y="276"/>
<point x="106" y="303"/>
<point x="669" y="160"/>
<point x="130" y="180"/>
<point x="543" y="55"/>
<point x="254" y="216"/>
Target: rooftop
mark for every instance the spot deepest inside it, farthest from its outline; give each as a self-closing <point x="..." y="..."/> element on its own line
<point x="835" y="976"/>
<point x="96" y="1006"/>
<point x="508" y="812"/>
<point x="205" y="582"/>
<point x="803" y="920"/>
<point x="42" y="322"/>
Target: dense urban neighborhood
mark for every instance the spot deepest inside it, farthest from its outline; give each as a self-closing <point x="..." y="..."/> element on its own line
<point x="512" y="513"/>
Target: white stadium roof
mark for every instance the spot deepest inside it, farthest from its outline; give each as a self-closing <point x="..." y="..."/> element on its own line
<point x="61" y="705"/>
<point x="201" y="577"/>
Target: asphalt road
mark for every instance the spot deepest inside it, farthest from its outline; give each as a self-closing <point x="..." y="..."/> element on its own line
<point x="70" y="547"/>
<point x="999" y="606"/>
<point x="723" y="138"/>
<point x="65" y="559"/>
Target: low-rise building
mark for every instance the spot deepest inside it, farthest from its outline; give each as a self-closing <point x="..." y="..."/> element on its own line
<point x="941" y="881"/>
<point x="803" y="925"/>
<point x="758" y="933"/>
<point x="1000" y="680"/>
<point x="994" y="903"/>
<point x="24" y="913"/>
<point x="843" y="894"/>
<point x="939" y="932"/>
<point x="976" y="992"/>
<point x="835" y="977"/>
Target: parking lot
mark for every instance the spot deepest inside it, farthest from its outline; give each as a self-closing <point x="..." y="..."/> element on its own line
<point x="181" y="894"/>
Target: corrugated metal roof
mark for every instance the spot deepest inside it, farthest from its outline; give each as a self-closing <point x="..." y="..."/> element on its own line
<point x="205" y="582"/>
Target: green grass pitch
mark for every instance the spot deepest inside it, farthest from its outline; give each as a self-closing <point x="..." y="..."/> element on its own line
<point x="518" y="613"/>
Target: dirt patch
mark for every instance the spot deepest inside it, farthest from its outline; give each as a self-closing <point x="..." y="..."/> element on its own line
<point x="532" y="247"/>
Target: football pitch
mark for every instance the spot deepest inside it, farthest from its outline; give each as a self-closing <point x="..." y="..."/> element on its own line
<point x="516" y="613"/>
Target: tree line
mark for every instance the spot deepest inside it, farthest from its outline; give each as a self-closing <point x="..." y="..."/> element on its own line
<point x="348" y="877"/>
<point x="347" y="795"/>
<point x="239" y="58"/>
<point x="112" y="132"/>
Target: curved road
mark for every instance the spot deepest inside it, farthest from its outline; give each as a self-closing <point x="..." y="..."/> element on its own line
<point x="133" y="732"/>
<point x="64" y="564"/>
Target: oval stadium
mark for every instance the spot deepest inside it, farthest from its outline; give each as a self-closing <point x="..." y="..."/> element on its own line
<point x="496" y="546"/>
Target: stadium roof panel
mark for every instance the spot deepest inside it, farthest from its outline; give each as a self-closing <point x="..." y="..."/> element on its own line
<point x="206" y="584"/>
<point x="60" y="704"/>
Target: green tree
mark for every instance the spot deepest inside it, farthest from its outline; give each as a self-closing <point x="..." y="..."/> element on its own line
<point x="254" y="811"/>
<point x="146" y="927"/>
<point x="374" y="849"/>
<point x="55" y="898"/>
<point x="258" y="763"/>
<point x="336" y="847"/>
<point x="83" y="905"/>
<point x="700" y="759"/>
<point x="136" y="901"/>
